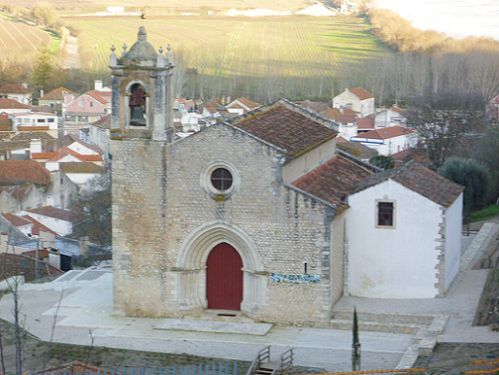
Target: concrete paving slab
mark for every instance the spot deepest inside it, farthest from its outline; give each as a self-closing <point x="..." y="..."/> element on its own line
<point x="258" y="329"/>
<point x="85" y="315"/>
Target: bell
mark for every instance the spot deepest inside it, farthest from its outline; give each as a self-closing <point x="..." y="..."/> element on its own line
<point x="137" y="118"/>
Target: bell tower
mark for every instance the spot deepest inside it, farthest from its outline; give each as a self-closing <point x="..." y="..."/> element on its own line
<point x="141" y="134"/>
<point x="142" y="91"/>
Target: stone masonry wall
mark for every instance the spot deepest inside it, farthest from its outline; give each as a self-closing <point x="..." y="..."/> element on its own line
<point x="154" y="215"/>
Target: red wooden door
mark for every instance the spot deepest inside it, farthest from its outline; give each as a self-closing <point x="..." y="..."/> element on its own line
<point x="224" y="278"/>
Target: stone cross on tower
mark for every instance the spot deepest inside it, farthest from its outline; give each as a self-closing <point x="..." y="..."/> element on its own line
<point x="142" y="101"/>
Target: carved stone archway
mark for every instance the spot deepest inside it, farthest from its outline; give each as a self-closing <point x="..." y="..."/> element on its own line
<point x="191" y="266"/>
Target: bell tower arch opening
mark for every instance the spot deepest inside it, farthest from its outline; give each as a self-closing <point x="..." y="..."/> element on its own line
<point x="137" y="104"/>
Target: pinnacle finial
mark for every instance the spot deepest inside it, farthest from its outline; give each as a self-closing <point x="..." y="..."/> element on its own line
<point x="160" y="50"/>
<point x="113" y="48"/>
<point x="124" y="46"/>
<point x="142" y="34"/>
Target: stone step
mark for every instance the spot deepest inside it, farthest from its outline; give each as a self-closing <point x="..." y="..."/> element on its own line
<point x="384" y="317"/>
<point x="375" y="326"/>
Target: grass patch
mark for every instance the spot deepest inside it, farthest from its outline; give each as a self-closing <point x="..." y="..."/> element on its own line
<point x="486" y="213"/>
<point x="238" y="46"/>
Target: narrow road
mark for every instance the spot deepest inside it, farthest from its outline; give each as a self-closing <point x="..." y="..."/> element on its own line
<point x="71" y="53"/>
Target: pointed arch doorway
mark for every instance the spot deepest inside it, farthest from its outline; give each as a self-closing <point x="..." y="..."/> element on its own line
<point x="224" y="278"/>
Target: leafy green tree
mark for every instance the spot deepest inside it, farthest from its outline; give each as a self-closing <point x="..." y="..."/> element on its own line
<point x="382" y="161"/>
<point x="473" y="176"/>
<point x="43" y="69"/>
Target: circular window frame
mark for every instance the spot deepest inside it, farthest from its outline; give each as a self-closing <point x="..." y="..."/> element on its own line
<point x="216" y="194"/>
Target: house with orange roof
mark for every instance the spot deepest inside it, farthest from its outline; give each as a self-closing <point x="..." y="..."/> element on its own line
<point x="11" y="106"/>
<point x="357" y="99"/>
<point x="86" y="108"/>
<point x="17" y="92"/>
<point x="23" y="184"/>
<point x="389" y="140"/>
<point x="241" y="106"/>
<point x="393" y="116"/>
<point x="56" y="98"/>
<point x="35" y="121"/>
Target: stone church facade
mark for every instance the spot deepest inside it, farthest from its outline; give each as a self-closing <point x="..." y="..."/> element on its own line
<point x="249" y="216"/>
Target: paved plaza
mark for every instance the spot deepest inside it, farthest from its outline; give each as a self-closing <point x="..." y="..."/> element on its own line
<point x="80" y="303"/>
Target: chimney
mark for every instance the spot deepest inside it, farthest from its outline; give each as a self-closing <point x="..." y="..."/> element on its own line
<point x="35" y="146"/>
<point x="228" y="100"/>
<point x="42" y="93"/>
<point x="98" y="85"/>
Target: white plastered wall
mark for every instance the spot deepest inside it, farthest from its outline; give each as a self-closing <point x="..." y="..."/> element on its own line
<point x="398" y="262"/>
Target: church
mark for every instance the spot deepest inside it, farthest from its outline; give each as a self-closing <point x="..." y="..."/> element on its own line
<point x="262" y="216"/>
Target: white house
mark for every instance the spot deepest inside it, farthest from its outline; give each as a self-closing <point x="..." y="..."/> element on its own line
<point x="58" y="220"/>
<point x="357" y="99"/>
<point x="80" y="173"/>
<point x="35" y="121"/>
<point x="390" y="117"/>
<point x="241" y="105"/>
<point x="17" y="92"/>
<point x="388" y="141"/>
<point x="190" y="122"/>
<point x="100" y="133"/>
<point x="11" y="106"/>
<point x="403" y="231"/>
<point x="346" y="119"/>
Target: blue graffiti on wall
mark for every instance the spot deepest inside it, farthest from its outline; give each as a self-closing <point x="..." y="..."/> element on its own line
<point x="294" y="279"/>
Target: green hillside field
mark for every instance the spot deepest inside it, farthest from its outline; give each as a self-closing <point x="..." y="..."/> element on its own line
<point x="237" y="46"/>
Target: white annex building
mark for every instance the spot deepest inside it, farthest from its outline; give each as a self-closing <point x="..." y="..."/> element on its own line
<point x="262" y="215"/>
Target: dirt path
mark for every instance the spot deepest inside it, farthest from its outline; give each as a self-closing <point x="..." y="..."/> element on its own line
<point x="71" y="52"/>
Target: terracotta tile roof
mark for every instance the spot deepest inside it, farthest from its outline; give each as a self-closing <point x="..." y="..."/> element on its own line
<point x="286" y="127"/>
<point x="13" y="88"/>
<point x="314" y="106"/>
<point x="101" y="97"/>
<point x="43" y="155"/>
<point x="344" y="116"/>
<point x="34" y="135"/>
<point x="54" y="212"/>
<point x="361" y="93"/>
<point x="15" y="220"/>
<point x="104" y="122"/>
<point x="417" y="155"/>
<point x="357" y="149"/>
<point x="248" y="103"/>
<point x="364" y="123"/>
<point x="334" y="180"/>
<point x="421" y="180"/>
<point x="42" y="254"/>
<point x="37" y="226"/>
<point x="56" y="94"/>
<point x="80" y="167"/>
<point x="386" y="133"/>
<point x="15" y="172"/>
<point x="397" y="109"/>
<point x="89" y="145"/>
<point x="65" y="151"/>
<point x="213" y="105"/>
<point x="12" y="104"/>
<point x="10" y="145"/>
